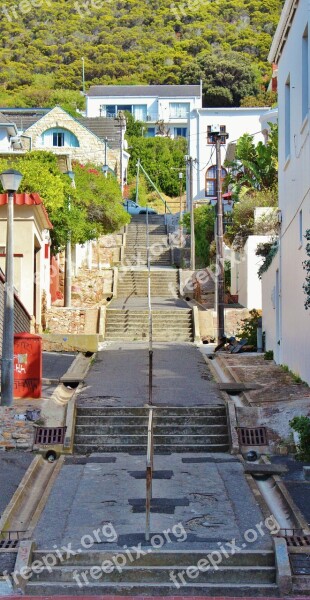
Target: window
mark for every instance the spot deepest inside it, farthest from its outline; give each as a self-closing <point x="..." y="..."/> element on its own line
<point x="150" y="132"/>
<point x="108" y="110"/>
<point x="287" y="121"/>
<point x="305" y="75"/>
<point x="179" y="110"/>
<point x="59" y="138"/>
<point x="180" y="132"/>
<point x="211" y="190"/>
<point x="211" y="137"/>
<point x="300" y="228"/>
<point x="140" y="112"/>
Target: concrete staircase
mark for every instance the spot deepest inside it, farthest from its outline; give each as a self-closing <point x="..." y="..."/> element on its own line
<point x="136" y="245"/>
<point x="176" y="429"/>
<point x="164" y="283"/>
<point x="169" y="325"/>
<point x="248" y="573"/>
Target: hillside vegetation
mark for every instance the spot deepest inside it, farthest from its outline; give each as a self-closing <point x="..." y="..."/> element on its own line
<point x="225" y="42"/>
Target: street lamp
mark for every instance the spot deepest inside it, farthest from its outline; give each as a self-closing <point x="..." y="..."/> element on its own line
<point x="68" y="257"/>
<point x="10" y="181"/>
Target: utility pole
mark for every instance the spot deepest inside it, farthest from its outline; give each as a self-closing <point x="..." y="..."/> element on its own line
<point x="68" y="254"/>
<point x="181" y="228"/>
<point x="218" y="136"/>
<point x="122" y="126"/>
<point x="10" y="181"/>
<point x="189" y="164"/>
<point x="83" y="74"/>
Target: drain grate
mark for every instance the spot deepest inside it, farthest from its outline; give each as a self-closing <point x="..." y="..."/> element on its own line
<point x="8" y="544"/>
<point x="300" y="564"/>
<point x="298" y="541"/>
<point x="252" y="436"/>
<point x="50" y="435"/>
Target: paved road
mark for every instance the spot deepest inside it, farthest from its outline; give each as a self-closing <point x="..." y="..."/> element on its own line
<point x="13" y="466"/>
<point x="206" y="494"/>
<point x="119" y="377"/>
<point x="55" y="364"/>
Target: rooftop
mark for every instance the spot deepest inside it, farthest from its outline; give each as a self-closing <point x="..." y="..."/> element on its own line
<point x="161" y="91"/>
<point x="28" y="200"/>
<point x="103" y="128"/>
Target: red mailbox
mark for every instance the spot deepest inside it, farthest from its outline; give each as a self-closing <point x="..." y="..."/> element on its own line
<point x="27" y="366"/>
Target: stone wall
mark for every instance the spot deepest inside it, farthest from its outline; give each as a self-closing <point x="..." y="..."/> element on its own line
<point x="75" y="321"/>
<point x="208" y="322"/>
<point x="22" y="321"/>
<point x="15" y="433"/>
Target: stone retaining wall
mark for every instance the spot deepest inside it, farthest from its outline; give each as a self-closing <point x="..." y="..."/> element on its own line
<point x="15" y="433"/>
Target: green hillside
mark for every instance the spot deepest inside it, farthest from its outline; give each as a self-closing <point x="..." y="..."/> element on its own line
<point x="134" y="41"/>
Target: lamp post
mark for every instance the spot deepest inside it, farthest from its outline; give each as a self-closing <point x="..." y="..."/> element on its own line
<point x="68" y="257"/>
<point x="10" y="181"/>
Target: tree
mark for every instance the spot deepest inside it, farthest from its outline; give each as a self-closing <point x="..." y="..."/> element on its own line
<point x="255" y="166"/>
<point x="91" y="209"/>
<point x="204" y="217"/>
<point x="227" y="77"/>
<point x="162" y="158"/>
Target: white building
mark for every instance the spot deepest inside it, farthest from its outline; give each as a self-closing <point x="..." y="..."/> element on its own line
<point x="235" y="122"/>
<point x="285" y="320"/>
<point x="164" y="108"/>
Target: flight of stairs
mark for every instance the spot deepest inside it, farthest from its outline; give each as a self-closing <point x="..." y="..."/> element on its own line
<point x="247" y="573"/>
<point x="164" y="283"/>
<point x="136" y="244"/>
<point x="176" y="429"/>
<point x="169" y="325"/>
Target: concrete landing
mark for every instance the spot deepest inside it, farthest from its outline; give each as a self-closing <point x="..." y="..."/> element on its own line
<point x="119" y="377"/>
<point x="137" y="303"/>
<point x="204" y="499"/>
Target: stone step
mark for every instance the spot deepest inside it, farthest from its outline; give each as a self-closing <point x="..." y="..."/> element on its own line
<point x="161" y="575"/>
<point x="166" y="558"/>
<point x="82" y="448"/>
<point x="167" y="411"/>
<point x="141" y="421"/>
<point x="199" y="590"/>
<point x="131" y="430"/>
<point x="159" y="440"/>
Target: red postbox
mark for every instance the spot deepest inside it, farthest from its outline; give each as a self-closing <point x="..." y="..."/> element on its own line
<point x="27" y="365"/>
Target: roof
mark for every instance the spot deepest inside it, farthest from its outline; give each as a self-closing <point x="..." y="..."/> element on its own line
<point x="161" y="91"/>
<point x="282" y="31"/>
<point x="10" y="125"/>
<point x="23" y="117"/>
<point x="28" y="200"/>
<point x="103" y="128"/>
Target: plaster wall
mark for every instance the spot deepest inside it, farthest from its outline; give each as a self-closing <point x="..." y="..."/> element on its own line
<point x="292" y="347"/>
<point x="237" y="121"/>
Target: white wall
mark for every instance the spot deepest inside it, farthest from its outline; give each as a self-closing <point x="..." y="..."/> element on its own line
<point x="269" y="306"/>
<point x="4" y="140"/>
<point x="244" y="278"/>
<point x="294" y="193"/>
<point x="237" y="121"/>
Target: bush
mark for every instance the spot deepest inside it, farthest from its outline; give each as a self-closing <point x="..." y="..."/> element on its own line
<point x="302" y="426"/>
<point x="249" y="327"/>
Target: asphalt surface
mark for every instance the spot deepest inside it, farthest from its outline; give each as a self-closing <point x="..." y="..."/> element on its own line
<point x="210" y="500"/>
<point x="119" y="377"/>
<point x="13" y="465"/>
<point x="56" y="364"/>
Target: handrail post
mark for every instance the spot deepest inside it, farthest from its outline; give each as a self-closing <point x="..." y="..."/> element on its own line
<point x="149" y="474"/>
<point x="150" y="312"/>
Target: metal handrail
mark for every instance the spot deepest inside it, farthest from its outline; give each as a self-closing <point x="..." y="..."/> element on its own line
<point x="149" y="473"/>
